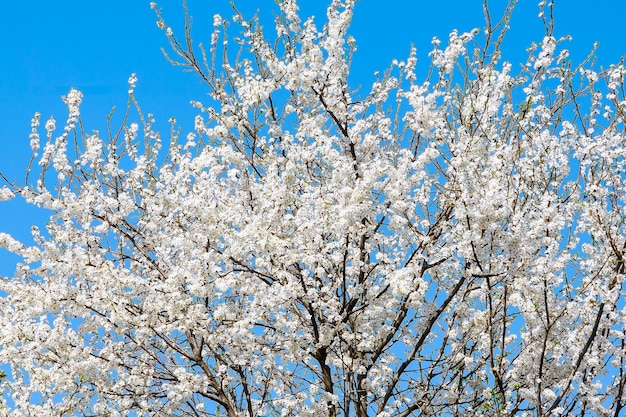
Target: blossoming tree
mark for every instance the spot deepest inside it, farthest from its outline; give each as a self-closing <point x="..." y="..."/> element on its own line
<point x="452" y="245"/>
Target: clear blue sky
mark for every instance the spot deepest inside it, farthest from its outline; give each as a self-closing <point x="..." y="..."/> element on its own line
<point x="46" y="47"/>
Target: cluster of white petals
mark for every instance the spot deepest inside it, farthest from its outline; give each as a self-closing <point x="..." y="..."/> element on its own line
<point x="449" y="245"/>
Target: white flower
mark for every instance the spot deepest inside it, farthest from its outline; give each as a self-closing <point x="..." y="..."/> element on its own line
<point x="73" y="98"/>
<point x="132" y="80"/>
<point x="6" y="194"/>
<point x="50" y="125"/>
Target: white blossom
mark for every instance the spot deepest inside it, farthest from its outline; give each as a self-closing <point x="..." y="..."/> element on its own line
<point x="6" y="194"/>
<point x="132" y="81"/>
<point x="443" y="242"/>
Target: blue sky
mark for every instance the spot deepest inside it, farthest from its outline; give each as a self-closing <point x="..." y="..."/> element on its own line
<point x="48" y="47"/>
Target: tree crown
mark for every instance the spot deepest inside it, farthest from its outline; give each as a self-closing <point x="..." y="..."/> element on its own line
<point x="443" y="245"/>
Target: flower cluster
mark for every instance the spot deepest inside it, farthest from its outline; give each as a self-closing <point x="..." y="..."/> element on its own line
<point x="448" y="245"/>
